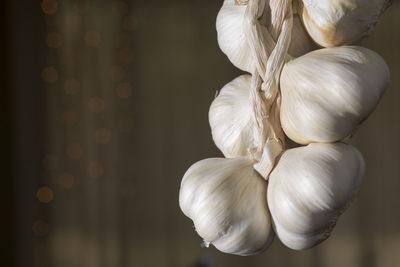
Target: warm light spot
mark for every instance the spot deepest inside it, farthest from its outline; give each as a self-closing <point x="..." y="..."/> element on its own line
<point x="125" y="124"/>
<point x="130" y="23"/>
<point x="119" y="8"/>
<point x="103" y="136"/>
<point x="124" y="90"/>
<point x="49" y="6"/>
<point x="53" y="40"/>
<point x="75" y="151"/>
<point x="117" y="73"/>
<point x="69" y="117"/>
<point x="95" y="169"/>
<point x="73" y="20"/>
<point x="44" y="194"/>
<point x="72" y="86"/>
<point x="96" y="104"/>
<point x="125" y="56"/>
<point x="66" y="180"/>
<point x="49" y="75"/>
<point x="50" y="162"/>
<point x="40" y="228"/>
<point x="92" y="38"/>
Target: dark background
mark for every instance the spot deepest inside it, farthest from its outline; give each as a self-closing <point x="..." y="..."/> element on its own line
<point x="105" y="106"/>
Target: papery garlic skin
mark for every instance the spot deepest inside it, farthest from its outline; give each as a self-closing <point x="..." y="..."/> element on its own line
<point x="226" y="199"/>
<point x="339" y="22"/>
<point x="230" y="117"/>
<point x="328" y="92"/>
<point x="232" y="39"/>
<point x="309" y="189"/>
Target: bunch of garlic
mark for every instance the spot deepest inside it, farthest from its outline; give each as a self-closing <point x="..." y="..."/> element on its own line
<point x="238" y="203"/>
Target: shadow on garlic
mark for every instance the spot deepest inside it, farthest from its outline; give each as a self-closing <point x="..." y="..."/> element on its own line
<point x="226" y="199"/>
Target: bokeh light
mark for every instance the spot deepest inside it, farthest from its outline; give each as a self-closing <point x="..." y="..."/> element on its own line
<point x="124" y="90"/>
<point x="44" y="194"/>
<point x="73" y="20"/>
<point x="95" y="169"/>
<point x="92" y="38"/>
<point x="96" y="104"/>
<point x="75" y="151"/>
<point x="54" y="40"/>
<point x="117" y="73"/>
<point x="66" y="180"/>
<point x="72" y="86"/>
<point x="49" y="6"/>
<point x="103" y="136"/>
<point x="49" y="75"/>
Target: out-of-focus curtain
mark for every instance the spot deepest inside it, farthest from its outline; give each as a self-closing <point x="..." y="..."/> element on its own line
<point x="109" y="103"/>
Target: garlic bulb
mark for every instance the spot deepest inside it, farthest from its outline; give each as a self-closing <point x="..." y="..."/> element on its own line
<point x="338" y="22"/>
<point x="327" y="92"/>
<point x="226" y="199"/>
<point x="309" y="189"/>
<point x="230" y="118"/>
<point x="233" y="43"/>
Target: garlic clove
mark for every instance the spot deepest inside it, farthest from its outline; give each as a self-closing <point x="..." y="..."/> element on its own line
<point x="231" y="120"/>
<point x="232" y="39"/>
<point x="328" y="92"/>
<point x="310" y="188"/>
<point x="339" y="22"/>
<point x="226" y="199"/>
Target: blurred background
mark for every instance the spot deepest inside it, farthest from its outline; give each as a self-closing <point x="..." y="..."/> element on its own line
<point x="105" y="106"/>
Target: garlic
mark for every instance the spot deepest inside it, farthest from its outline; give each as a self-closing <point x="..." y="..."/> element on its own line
<point x="226" y="199"/>
<point x="309" y="189"/>
<point x="233" y="42"/>
<point x="338" y="22"/>
<point x="328" y="92"/>
<point x="230" y="118"/>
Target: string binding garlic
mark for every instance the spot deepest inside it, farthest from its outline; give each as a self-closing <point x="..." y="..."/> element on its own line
<point x="294" y="94"/>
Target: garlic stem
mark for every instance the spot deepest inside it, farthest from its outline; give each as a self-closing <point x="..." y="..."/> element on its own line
<point x="269" y="58"/>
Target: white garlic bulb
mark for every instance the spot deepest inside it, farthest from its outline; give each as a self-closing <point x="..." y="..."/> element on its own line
<point x="226" y="199"/>
<point x="231" y="120"/>
<point x="338" y="22"/>
<point x="309" y="189"/>
<point x="233" y="43"/>
<point x="328" y="92"/>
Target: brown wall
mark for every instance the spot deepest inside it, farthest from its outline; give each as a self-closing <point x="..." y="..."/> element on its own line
<point x="110" y="130"/>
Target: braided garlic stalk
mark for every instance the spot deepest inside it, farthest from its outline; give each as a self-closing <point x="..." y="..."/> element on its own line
<point x="316" y="99"/>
